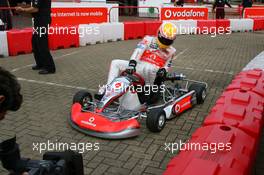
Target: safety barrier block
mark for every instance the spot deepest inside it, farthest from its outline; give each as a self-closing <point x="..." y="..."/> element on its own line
<point x="215" y="150"/>
<point x="223" y="26"/>
<point x="64" y="37"/>
<point x="206" y="26"/>
<point x="241" y="25"/>
<point x="91" y="34"/>
<point x="251" y="80"/>
<point x="185" y="26"/>
<point x="113" y="31"/>
<point x="152" y="27"/>
<point x="239" y="108"/>
<point x="19" y="41"/>
<point x="258" y="24"/>
<point x="134" y="30"/>
<point x="3" y="45"/>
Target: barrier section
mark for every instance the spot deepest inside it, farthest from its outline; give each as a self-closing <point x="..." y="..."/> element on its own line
<point x="3" y="45"/>
<point x="134" y="30"/>
<point x="241" y="109"/>
<point x="91" y="34"/>
<point x="223" y="25"/>
<point x="65" y="37"/>
<point x="206" y="26"/>
<point x="258" y="24"/>
<point x="215" y="150"/>
<point x="112" y="31"/>
<point x="252" y="80"/>
<point x="19" y="41"/>
<point x="152" y="27"/>
<point x="241" y="25"/>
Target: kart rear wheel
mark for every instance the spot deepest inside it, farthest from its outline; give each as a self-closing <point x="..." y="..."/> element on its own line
<point x="84" y="98"/>
<point x="200" y="91"/>
<point x="156" y="120"/>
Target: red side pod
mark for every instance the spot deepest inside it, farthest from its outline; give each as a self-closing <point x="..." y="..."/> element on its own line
<point x="63" y="37"/>
<point x="98" y="123"/>
<point x="134" y="30"/>
<point x="241" y="109"/>
<point x="182" y="105"/>
<point x="223" y="150"/>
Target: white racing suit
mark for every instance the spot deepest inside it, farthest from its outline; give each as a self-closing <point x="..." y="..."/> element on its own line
<point x="149" y="60"/>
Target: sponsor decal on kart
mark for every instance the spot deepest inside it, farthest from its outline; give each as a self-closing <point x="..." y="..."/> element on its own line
<point x="89" y="122"/>
<point x="182" y="105"/>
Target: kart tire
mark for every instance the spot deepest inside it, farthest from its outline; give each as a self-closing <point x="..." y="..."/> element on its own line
<point x="81" y="97"/>
<point x="200" y="92"/>
<point x="156" y="120"/>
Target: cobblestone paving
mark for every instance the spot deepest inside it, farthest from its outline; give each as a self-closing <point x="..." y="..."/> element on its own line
<point x="43" y="115"/>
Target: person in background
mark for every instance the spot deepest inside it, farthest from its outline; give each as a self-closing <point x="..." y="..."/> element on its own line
<point x="220" y="8"/>
<point x="5" y="15"/>
<point x="246" y="4"/>
<point x="40" y="10"/>
<point x="179" y="3"/>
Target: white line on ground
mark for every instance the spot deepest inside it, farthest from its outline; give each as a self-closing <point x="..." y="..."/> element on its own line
<point x="179" y="54"/>
<point x="205" y="70"/>
<point x="55" y="84"/>
<point x="55" y="58"/>
<point x="257" y="62"/>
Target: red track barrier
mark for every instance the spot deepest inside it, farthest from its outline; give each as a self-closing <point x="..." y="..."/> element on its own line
<point x="206" y="26"/>
<point x="19" y="41"/>
<point x="223" y="25"/>
<point x="235" y="153"/>
<point x="241" y="109"/>
<point x="252" y="80"/>
<point x="258" y="24"/>
<point x="151" y="27"/>
<point x="134" y="30"/>
<point x="64" y="38"/>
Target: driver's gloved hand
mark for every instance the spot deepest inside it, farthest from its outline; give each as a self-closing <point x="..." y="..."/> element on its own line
<point x="162" y="73"/>
<point x="131" y="67"/>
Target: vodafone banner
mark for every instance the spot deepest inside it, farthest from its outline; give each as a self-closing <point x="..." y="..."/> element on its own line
<point x="254" y="12"/>
<point x="75" y="16"/>
<point x="177" y="13"/>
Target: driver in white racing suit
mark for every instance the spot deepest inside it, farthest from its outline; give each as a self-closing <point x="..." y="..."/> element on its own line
<point x="151" y="54"/>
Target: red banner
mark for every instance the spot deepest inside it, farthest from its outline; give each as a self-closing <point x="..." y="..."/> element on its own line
<point x="176" y="13"/>
<point x="75" y="16"/>
<point x="254" y="12"/>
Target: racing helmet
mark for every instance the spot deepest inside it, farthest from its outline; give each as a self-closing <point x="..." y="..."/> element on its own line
<point x="166" y="35"/>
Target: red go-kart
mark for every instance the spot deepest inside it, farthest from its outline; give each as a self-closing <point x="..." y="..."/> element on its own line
<point x="116" y="114"/>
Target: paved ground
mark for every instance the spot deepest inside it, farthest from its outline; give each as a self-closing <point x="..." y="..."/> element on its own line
<point x="46" y="105"/>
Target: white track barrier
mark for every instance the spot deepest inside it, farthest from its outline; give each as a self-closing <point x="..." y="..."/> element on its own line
<point x="241" y="25"/>
<point x="185" y="26"/>
<point x="3" y="44"/>
<point x="112" y="31"/>
<point x="90" y="34"/>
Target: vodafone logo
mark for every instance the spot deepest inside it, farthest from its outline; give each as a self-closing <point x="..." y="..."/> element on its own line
<point x="184" y="13"/>
<point x="89" y="122"/>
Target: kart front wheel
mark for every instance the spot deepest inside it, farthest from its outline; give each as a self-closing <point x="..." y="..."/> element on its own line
<point x="156" y="120"/>
<point x="84" y="98"/>
<point x="200" y="91"/>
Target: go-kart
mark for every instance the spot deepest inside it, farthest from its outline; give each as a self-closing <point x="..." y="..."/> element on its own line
<point x="115" y="115"/>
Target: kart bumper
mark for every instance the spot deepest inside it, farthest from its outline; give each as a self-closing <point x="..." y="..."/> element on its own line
<point x="98" y="126"/>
